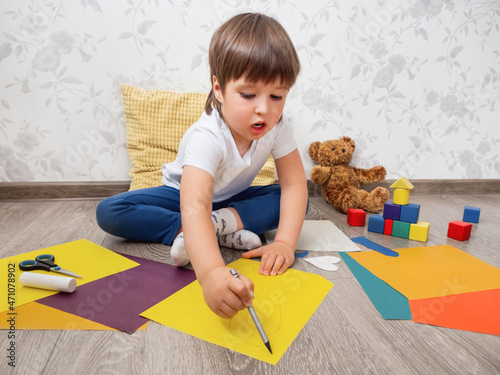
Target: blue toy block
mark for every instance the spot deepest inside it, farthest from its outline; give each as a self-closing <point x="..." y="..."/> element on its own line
<point x="391" y="211"/>
<point x="409" y="213"/>
<point x="376" y="223"/>
<point x="471" y="214"/>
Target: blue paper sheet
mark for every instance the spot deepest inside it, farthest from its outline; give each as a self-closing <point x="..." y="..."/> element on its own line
<point x="375" y="246"/>
<point x="388" y="301"/>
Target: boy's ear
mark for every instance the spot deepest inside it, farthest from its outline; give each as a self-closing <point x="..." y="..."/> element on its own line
<point x="217" y="89"/>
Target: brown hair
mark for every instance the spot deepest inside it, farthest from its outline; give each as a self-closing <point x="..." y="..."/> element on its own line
<point x="252" y="45"/>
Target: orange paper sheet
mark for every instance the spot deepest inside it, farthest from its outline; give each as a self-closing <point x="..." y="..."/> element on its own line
<point x="82" y="257"/>
<point x="431" y="271"/>
<point x="34" y="315"/>
<point x="476" y="311"/>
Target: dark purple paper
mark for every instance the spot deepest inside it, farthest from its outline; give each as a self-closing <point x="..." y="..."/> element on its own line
<point x="117" y="300"/>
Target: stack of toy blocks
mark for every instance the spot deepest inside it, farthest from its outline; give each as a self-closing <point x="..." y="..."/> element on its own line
<point x="400" y="217"/>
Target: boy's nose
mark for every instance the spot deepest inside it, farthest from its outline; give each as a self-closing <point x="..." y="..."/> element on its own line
<point x="261" y="107"/>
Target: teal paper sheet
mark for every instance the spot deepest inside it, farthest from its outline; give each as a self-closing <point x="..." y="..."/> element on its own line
<point x="388" y="301"/>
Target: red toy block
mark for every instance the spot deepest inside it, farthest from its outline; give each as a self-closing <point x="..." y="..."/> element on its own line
<point x="459" y="230"/>
<point x="388" y="226"/>
<point x="356" y="217"/>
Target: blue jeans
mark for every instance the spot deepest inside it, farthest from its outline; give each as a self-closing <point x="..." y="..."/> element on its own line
<point x="153" y="214"/>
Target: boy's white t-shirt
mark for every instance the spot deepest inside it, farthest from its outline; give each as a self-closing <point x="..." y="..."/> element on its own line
<point x="209" y="145"/>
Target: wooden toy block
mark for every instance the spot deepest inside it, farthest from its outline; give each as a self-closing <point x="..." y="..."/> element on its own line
<point x="419" y="231"/>
<point x="400" y="229"/>
<point x="471" y="214"/>
<point x="356" y="217"/>
<point x="402" y="183"/>
<point x="388" y="227"/>
<point x="401" y="196"/>
<point x="459" y="230"/>
<point x="376" y="223"/>
<point x="409" y="213"/>
<point x="391" y="210"/>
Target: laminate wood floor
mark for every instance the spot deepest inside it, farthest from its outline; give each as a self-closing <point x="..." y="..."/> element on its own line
<point x="346" y="335"/>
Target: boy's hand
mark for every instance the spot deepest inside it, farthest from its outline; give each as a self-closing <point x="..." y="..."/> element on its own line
<point x="224" y="294"/>
<point x="275" y="257"/>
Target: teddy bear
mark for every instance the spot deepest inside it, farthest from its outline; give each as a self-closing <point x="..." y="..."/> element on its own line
<point x="340" y="182"/>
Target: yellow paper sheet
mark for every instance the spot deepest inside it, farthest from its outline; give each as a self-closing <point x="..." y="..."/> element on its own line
<point x="283" y="304"/>
<point x="82" y="257"/>
<point x="34" y="315"/>
<point x="431" y="271"/>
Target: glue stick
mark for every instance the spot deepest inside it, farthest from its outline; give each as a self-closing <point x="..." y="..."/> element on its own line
<point x="50" y="282"/>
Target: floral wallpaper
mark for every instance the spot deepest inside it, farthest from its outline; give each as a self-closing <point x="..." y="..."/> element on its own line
<point x="415" y="83"/>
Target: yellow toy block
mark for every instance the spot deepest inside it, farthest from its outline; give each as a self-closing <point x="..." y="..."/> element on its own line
<point x="401" y="196"/>
<point x="402" y="183"/>
<point x="419" y="231"/>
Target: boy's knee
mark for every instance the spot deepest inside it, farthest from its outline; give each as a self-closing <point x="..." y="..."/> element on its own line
<point x="100" y="212"/>
<point x="103" y="212"/>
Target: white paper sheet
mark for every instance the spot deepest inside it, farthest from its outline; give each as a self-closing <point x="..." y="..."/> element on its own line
<point x="320" y="235"/>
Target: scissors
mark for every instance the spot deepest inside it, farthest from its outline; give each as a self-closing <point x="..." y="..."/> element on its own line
<point x="45" y="262"/>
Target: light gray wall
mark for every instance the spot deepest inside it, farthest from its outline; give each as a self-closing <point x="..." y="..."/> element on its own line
<point x="415" y="83"/>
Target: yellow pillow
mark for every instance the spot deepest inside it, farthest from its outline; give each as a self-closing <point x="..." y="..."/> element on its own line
<point x="156" y="121"/>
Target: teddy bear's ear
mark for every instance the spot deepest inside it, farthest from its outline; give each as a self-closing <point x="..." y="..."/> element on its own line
<point x="313" y="150"/>
<point x="349" y="141"/>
